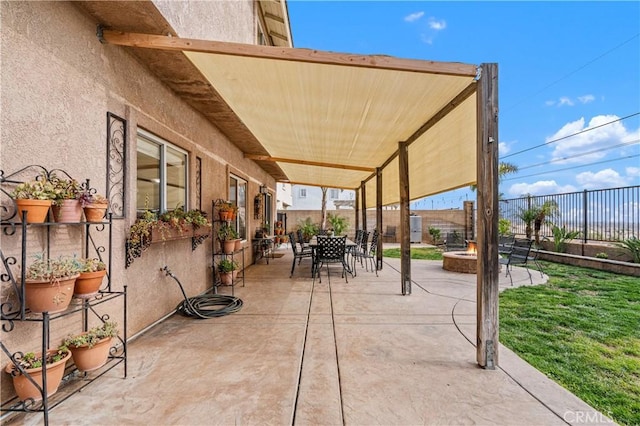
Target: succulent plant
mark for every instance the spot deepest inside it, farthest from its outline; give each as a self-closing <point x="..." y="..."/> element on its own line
<point x="93" y="335"/>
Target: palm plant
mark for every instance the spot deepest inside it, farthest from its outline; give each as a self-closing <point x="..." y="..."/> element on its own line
<point x="632" y="246"/>
<point x="560" y="237"/>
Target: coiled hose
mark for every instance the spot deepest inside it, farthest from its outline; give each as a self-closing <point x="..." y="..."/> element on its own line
<point x="206" y="305"/>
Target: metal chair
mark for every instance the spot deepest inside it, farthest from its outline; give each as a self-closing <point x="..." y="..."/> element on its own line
<point x="454" y="241"/>
<point x="330" y="250"/>
<point x="371" y="253"/>
<point x="519" y="255"/>
<point x="298" y="254"/>
<point x="390" y="234"/>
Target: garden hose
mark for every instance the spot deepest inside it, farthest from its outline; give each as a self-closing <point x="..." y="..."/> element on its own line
<point x="206" y="305"/>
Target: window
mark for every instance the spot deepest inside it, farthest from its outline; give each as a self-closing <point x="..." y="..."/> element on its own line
<point x="334" y="194"/>
<point x="303" y="192"/>
<point x="238" y="196"/>
<point x="161" y="179"/>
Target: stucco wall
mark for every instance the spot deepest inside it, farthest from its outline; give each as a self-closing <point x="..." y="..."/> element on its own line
<point x="58" y="82"/>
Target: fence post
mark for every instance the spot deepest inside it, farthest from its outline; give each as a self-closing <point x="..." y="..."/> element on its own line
<point x="585" y="227"/>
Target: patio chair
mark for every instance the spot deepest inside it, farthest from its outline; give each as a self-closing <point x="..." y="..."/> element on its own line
<point x="519" y="255"/>
<point x="370" y="254"/>
<point x="390" y="233"/>
<point x="298" y="255"/>
<point x="359" y="249"/>
<point x="454" y="241"/>
<point x="505" y="242"/>
<point x="330" y="250"/>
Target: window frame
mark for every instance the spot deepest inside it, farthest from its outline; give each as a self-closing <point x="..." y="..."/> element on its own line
<point x="236" y="222"/>
<point x="163" y="144"/>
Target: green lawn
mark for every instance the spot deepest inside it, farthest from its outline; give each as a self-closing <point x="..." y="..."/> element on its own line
<point x="428" y="253"/>
<point x="582" y="329"/>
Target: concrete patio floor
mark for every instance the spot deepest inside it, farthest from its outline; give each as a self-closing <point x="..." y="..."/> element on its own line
<point x="356" y="353"/>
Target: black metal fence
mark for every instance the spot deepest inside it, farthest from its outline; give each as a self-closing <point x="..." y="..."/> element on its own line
<point x="599" y="215"/>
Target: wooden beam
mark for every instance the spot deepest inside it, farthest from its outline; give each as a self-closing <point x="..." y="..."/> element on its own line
<point x="363" y="190"/>
<point x="153" y="41"/>
<point x="357" y="207"/>
<point x="308" y="163"/>
<point x="405" y="240"/>
<point x="379" y="217"/>
<point x="487" y="241"/>
<point x="318" y="185"/>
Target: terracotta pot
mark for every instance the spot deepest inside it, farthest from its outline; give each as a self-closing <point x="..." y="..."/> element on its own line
<point x="88" y="284"/>
<point x="91" y="358"/>
<point x="227" y="278"/>
<point x="95" y="212"/>
<point x="25" y="389"/>
<point x="44" y="296"/>
<point x="238" y="245"/>
<point x="36" y="209"/>
<point x="68" y="211"/>
<point x="228" y="246"/>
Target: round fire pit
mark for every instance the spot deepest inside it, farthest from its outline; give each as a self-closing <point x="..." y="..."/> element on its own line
<point x="460" y="261"/>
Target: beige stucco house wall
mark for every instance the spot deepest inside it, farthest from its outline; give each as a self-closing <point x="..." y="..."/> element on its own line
<point x="58" y="82"/>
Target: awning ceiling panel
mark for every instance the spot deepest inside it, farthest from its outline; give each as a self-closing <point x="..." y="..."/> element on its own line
<point x="351" y="116"/>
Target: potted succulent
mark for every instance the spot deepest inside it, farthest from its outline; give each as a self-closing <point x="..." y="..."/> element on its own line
<point x="35" y="197"/>
<point x="228" y="237"/>
<point x="66" y="204"/>
<point x="90" y="349"/>
<point x="92" y="272"/>
<point x="94" y="206"/>
<point x="31" y="364"/>
<point x="49" y="283"/>
<point x="227" y="269"/>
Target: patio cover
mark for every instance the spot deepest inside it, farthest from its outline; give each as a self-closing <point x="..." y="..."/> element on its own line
<point x="330" y="119"/>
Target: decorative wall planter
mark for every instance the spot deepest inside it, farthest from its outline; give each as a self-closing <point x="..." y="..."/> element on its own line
<point x="91" y="358"/>
<point x="36" y="209"/>
<point x="88" y="284"/>
<point x="47" y="296"/>
<point x="67" y="211"/>
<point x="23" y="386"/>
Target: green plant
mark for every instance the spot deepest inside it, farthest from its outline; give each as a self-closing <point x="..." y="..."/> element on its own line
<point x="602" y="255"/>
<point x="527" y="216"/>
<point x="39" y="189"/>
<point x="52" y="270"/>
<point x="226" y="232"/>
<point x="93" y="335"/>
<point x="65" y="189"/>
<point x="504" y="226"/>
<point x="631" y="246"/>
<point x="435" y="234"/>
<point x="30" y="360"/>
<point x="227" y="265"/>
<point x="339" y="224"/>
<point x="560" y="236"/>
<point x="91" y="265"/>
<point x="308" y="228"/>
<point x="87" y="198"/>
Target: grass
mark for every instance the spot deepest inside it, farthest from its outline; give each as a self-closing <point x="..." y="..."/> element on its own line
<point x="582" y="329"/>
<point x="428" y="253"/>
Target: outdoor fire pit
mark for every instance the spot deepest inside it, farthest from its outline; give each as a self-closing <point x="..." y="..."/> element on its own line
<point x="461" y="261"/>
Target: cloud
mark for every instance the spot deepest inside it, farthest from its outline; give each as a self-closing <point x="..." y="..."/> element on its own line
<point x="542" y="187"/>
<point x="607" y="178"/>
<point x="586" y="99"/>
<point x="565" y="101"/>
<point x="633" y="172"/>
<point x="437" y="25"/>
<point x="414" y="16"/>
<point x="601" y="137"/>
<point x="503" y="148"/>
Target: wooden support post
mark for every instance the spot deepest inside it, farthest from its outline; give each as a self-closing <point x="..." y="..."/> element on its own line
<point x="379" y="217"/>
<point x="363" y="190"/>
<point x="357" y="207"/>
<point x="487" y="237"/>
<point x="405" y="240"/>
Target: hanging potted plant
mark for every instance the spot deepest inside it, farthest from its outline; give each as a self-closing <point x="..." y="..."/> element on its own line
<point x="94" y="206"/>
<point x="66" y="204"/>
<point x="227" y="269"/>
<point x="49" y="283"/>
<point x="90" y="350"/>
<point x="31" y="365"/>
<point x="227" y="236"/>
<point x="35" y="197"/>
<point x="92" y="272"/>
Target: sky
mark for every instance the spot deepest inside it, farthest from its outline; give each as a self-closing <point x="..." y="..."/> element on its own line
<point x="563" y="68"/>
